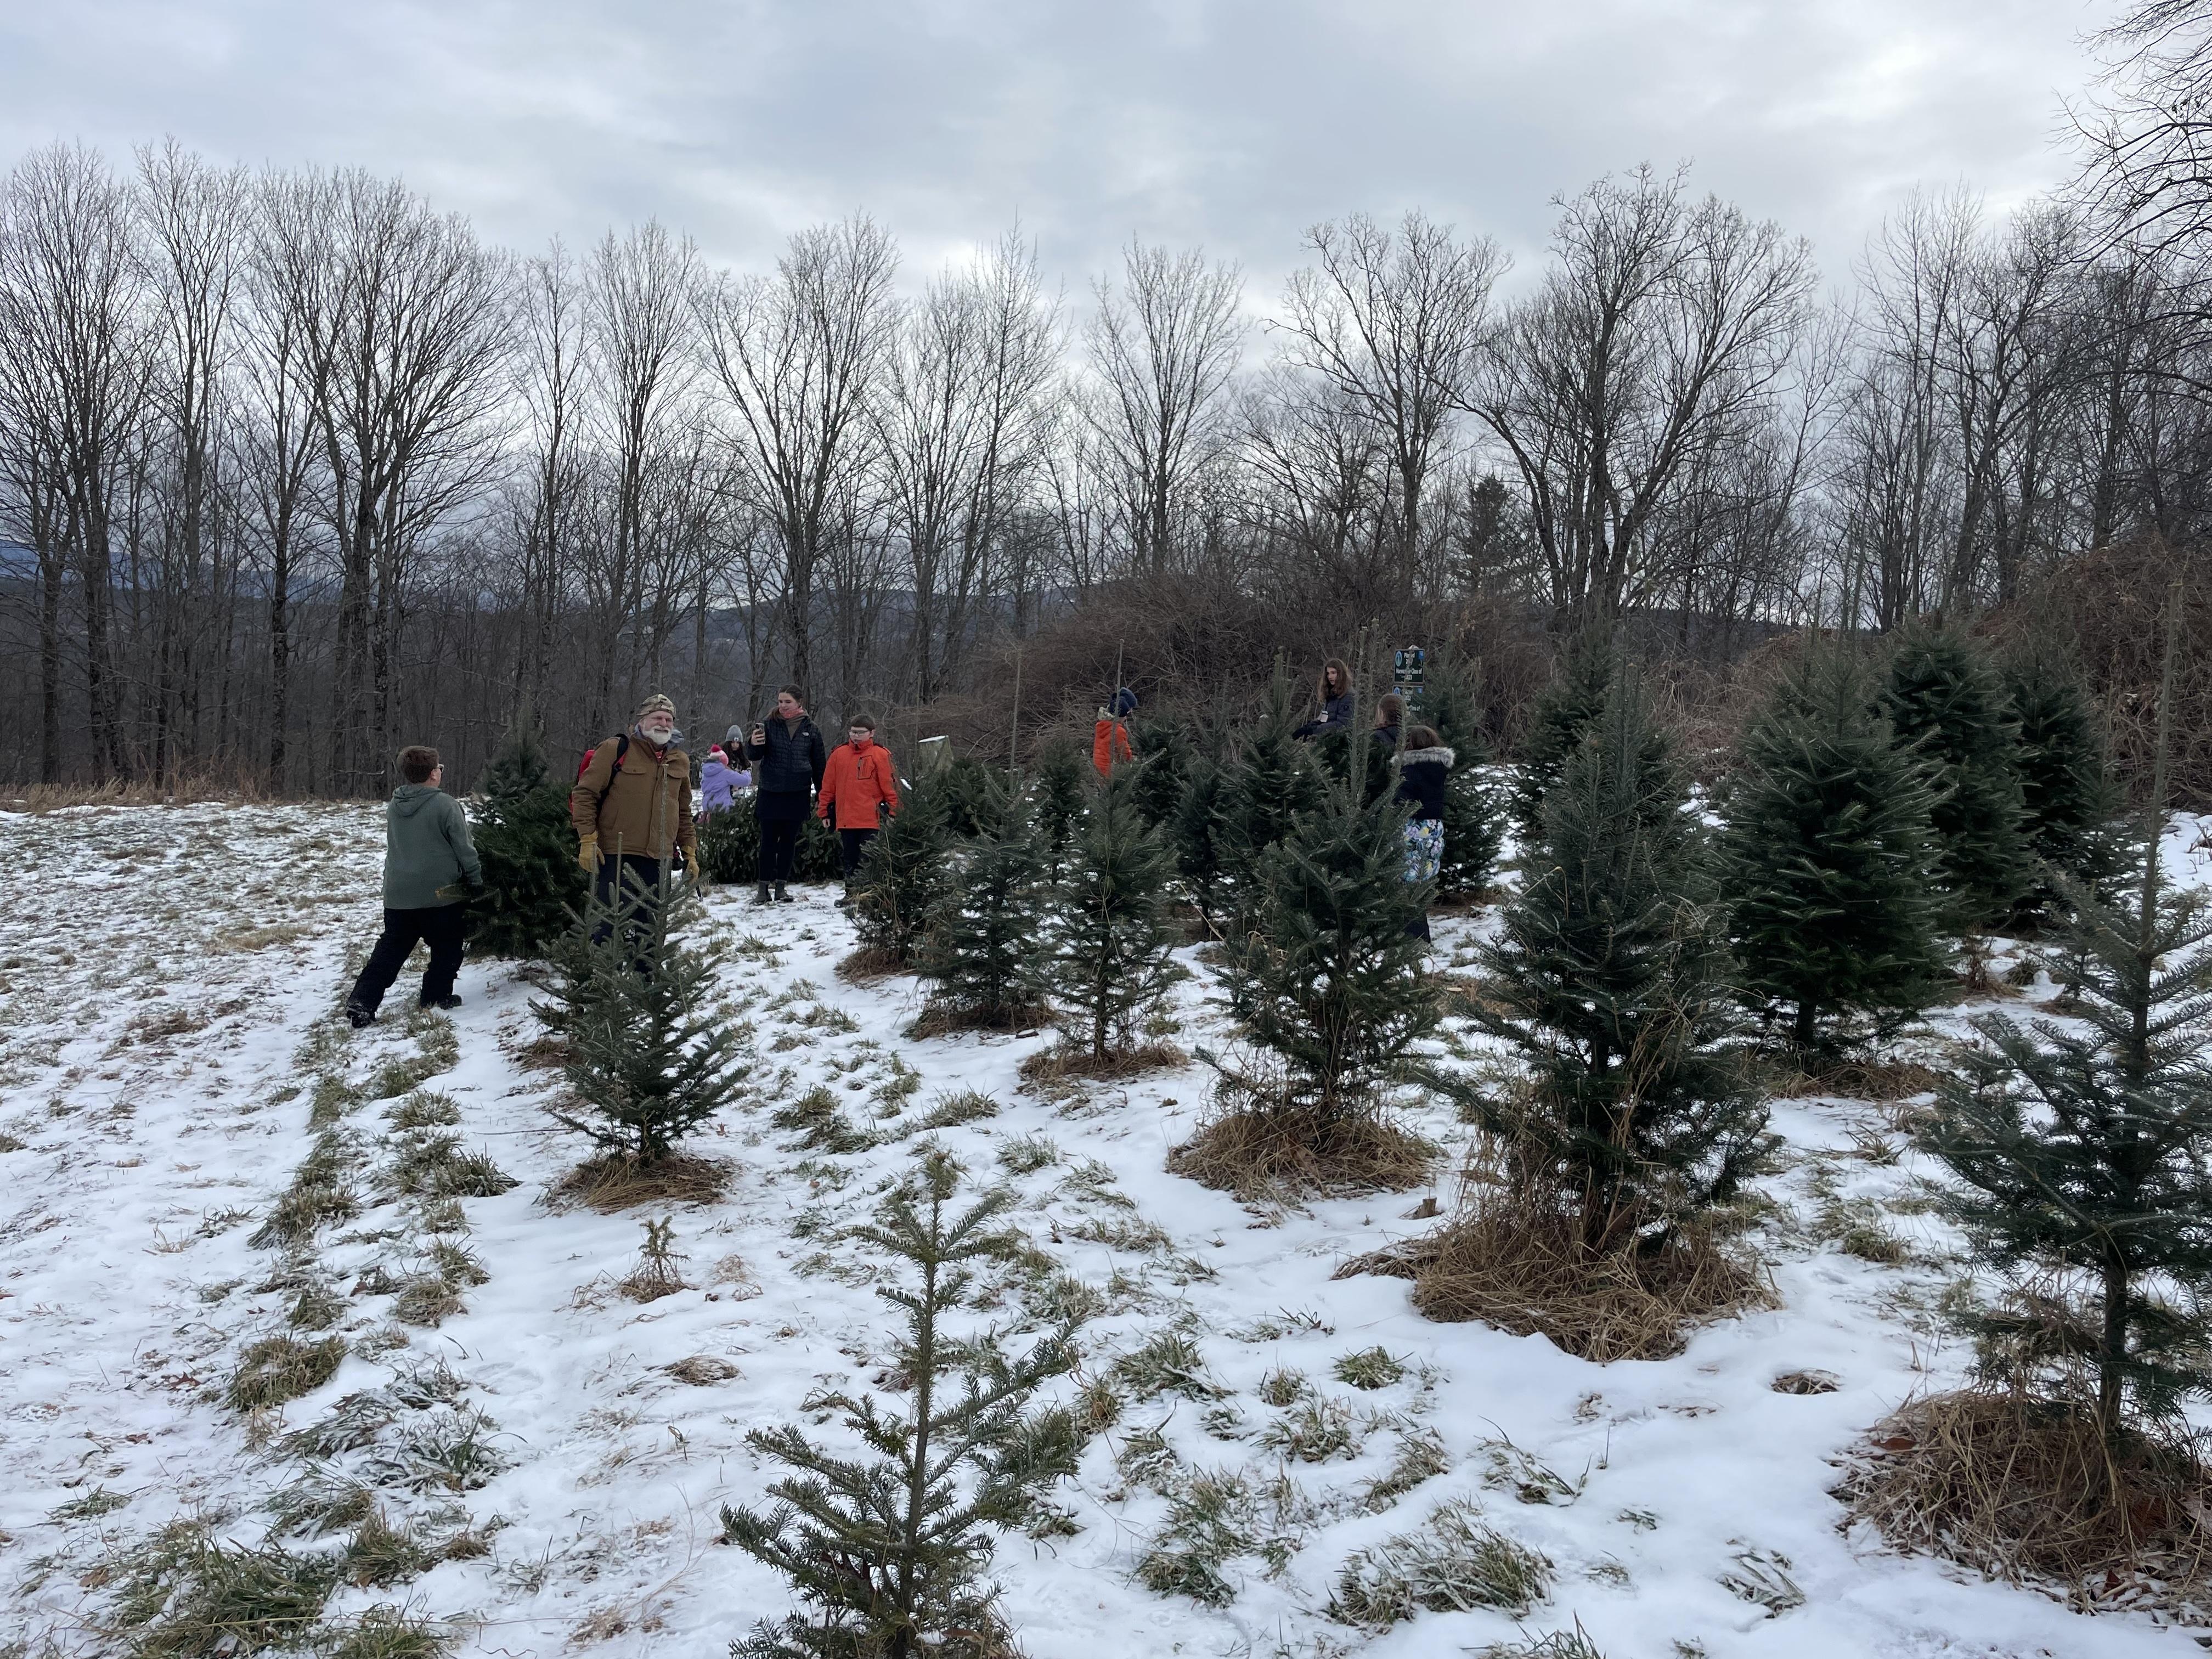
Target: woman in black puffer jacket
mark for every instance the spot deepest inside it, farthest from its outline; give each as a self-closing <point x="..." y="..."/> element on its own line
<point x="1422" y="766"/>
<point x="786" y="756"/>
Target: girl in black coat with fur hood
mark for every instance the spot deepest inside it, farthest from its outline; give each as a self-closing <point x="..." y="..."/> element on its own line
<point x="1422" y="766"/>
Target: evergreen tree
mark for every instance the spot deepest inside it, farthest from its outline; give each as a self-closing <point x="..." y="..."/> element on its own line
<point x="1561" y="713"/>
<point x="729" y="844"/>
<point x="1610" y="977"/>
<point x="2068" y="800"/>
<point x="1108" y="937"/>
<point x="971" y="791"/>
<point x="1323" y="972"/>
<point x="2084" y="1151"/>
<point x="532" y="884"/>
<point x="904" y="879"/>
<point x="646" y="1058"/>
<point x="890" y="1547"/>
<point x="1273" y="778"/>
<point x="1164" y="752"/>
<point x="1824" y="862"/>
<point x="1195" y="829"/>
<point x="1947" y="708"/>
<point x="1057" y="791"/>
<point x="1474" y="825"/>
<point x="980" y="947"/>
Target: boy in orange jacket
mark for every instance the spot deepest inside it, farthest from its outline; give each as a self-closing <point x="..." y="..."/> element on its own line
<point x="860" y="786"/>
<point x="1109" y="738"/>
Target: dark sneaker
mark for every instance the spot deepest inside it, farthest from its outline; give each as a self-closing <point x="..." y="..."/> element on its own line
<point x="359" y="1014"/>
<point x="448" y="1000"/>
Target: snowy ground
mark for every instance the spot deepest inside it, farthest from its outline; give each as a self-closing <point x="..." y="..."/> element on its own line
<point x="167" y="983"/>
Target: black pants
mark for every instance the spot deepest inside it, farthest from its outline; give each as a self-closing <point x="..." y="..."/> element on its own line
<point x="439" y="927"/>
<point x="639" y="876"/>
<point x="779" y="847"/>
<point x="852" y="849"/>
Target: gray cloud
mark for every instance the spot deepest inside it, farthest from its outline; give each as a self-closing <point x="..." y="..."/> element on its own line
<point x="1232" y="123"/>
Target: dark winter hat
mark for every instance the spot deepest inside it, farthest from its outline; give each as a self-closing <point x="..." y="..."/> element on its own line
<point x="1124" y="702"/>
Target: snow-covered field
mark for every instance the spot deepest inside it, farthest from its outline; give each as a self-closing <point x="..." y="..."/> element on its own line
<point x="167" y="983"/>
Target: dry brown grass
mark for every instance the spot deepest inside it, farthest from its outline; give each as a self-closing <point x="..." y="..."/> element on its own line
<point x="1879" y="1080"/>
<point x="1516" y="1262"/>
<point x="935" y="1019"/>
<point x="1260" y="1152"/>
<point x="612" y="1181"/>
<point x="1064" y="1061"/>
<point x="870" y="964"/>
<point x="2025" y="1491"/>
<point x="41" y="798"/>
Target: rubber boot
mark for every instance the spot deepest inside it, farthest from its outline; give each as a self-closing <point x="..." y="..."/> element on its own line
<point x="760" y="894"/>
<point x="782" y="894"/>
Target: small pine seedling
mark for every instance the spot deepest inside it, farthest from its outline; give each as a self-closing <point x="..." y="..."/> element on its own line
<point x="889" y="1548"/>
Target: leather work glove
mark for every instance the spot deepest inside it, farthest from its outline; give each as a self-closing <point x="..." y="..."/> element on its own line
<point x="587" y="854"/>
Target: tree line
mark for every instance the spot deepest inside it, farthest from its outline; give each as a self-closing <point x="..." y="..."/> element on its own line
<point x="295" y="467"/>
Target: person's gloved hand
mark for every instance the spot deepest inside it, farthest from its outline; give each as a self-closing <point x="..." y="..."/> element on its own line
<point x="587" y="853"/>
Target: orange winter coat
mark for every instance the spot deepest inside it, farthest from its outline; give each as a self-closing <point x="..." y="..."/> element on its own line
<point x="855" y="783"/>
<point x="1109" y="742"/>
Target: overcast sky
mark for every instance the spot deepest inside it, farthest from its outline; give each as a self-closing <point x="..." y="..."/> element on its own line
<point x="1233" y="124"/>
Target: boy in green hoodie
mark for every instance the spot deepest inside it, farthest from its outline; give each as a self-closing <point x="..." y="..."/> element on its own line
<point x="429" y="867"/>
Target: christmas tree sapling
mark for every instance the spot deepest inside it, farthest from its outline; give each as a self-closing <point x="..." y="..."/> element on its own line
<point x="981" y="949"/>
<point x="522" y="833"/>
<point x="647" y="1062"/>
<point x="1108" y="938"/>
<point x="902" y="884"/>
<point x="1825" y="861"/>
<point x="887" y="1546"/>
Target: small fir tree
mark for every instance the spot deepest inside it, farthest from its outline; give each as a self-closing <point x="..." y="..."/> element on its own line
<point x="1323" y="974"/>
<point x="972" y="791"/>
<point x="1609" y="976"/>
<point x="647" y="1061"/>
<point x="1195" y="829"/>
<point x="1946" y="707"/>
<point x="888" y="1547"/>
<point x="1056" y="791"/>
<point x="2068" y="800"/>
<point x="729" y="844"/>
<point x="1562" y="712"/>
<point x="1108" y="938"/>
<point x="904" y="879"/>
<point x="980" y="946"/>
<point x="1474" y="825"/>
<point x="532" y="884"/>
<point x="2084" y="1152"/>
<point x="1273" y="778"/>
<point x="1824" y="862"/>
<point x="1165" y="751"/>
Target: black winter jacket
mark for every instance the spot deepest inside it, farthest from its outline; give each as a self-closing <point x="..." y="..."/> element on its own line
<point x="1335" y="716"/>
<point x="1421" y="779"/>
<point x="790" y="762"/>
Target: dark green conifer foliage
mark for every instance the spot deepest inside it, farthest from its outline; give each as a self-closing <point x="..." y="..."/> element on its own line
<point x="971" y="790"/>
<point x="729" y="844"/>
<point x="2069" y="799"/>
<point x="1562" y="712"/>
<point x="1057" y="791"/>
<point x="887" y="1548"/>
<point x="1165" y="751"/>
<point x="1108" y="938"/>
<point x="532" y="884"/>
<point x="1474" y="821"/>
<point x="2086" y="1154"/>
<point x="1273" y="778"/>
<point x="1824" y="864"/>
<point x="904" y="879"/>
<point x="1945" y="706"/>
<point x="1322" y="973"/>
<point x="1610" y="977"/>
<point x="648" y="1060"/>
<point x="1195" y="829"/>
<point x="980" y="946"/>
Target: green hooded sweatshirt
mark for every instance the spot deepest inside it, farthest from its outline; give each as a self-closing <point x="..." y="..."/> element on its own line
<point x="426" y="847"/>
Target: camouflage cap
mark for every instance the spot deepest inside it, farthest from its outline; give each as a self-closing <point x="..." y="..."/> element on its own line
<point x="654" y="704"/>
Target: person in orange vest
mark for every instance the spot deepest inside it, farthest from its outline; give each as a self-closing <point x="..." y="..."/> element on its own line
<point x="859" y="788"/>
<point x="1109" y="738"/>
